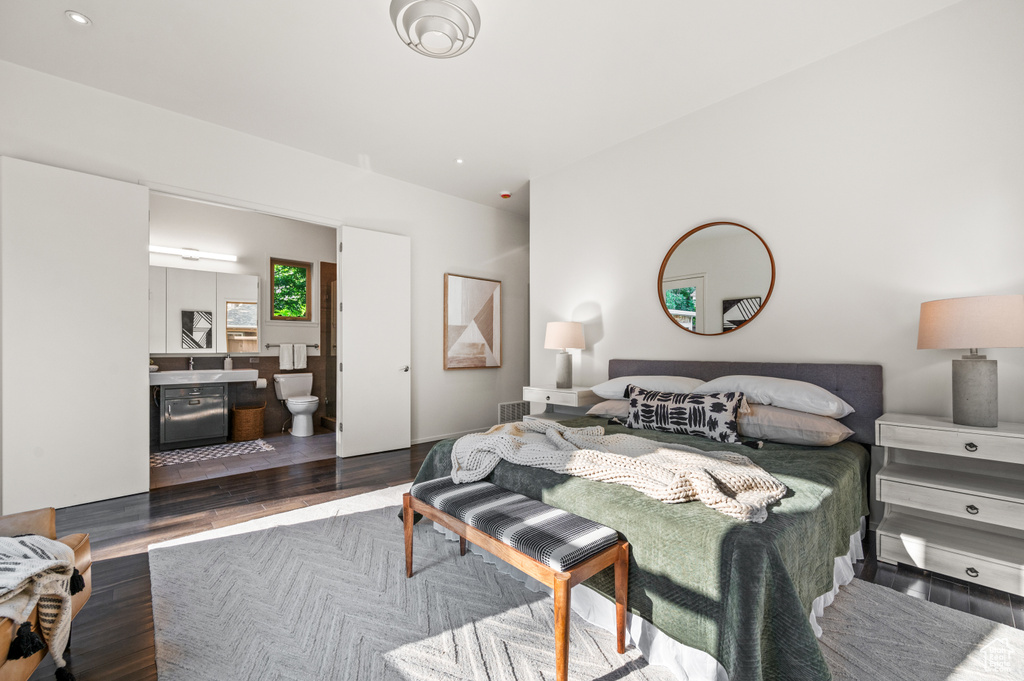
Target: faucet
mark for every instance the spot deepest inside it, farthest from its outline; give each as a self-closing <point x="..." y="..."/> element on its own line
<point x="191" y="360"/>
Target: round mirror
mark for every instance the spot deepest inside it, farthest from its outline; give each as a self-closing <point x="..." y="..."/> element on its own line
<point x="716" y="278"/>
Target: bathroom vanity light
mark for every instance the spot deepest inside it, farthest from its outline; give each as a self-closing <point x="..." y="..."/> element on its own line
<point x="192" y="253"/>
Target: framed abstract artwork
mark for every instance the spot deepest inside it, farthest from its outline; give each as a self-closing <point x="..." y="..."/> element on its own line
<point x="196" y="330"/>
<point x="738" y="310"/>
<point x="472" y="323"/>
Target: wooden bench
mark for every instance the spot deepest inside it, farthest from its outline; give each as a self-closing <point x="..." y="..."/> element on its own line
<point x="553" y="546"/>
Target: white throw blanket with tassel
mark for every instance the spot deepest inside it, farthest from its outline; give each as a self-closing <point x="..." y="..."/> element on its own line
<point x="35" y="571"/>
<point x="727" y="482"/>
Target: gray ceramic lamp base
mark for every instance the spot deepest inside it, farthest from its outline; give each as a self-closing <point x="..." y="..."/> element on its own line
<point x="563" y="370"/>
<point x="975" y="392"/>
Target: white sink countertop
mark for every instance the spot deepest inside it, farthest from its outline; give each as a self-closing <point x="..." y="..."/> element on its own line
<point x="202" y="376"/>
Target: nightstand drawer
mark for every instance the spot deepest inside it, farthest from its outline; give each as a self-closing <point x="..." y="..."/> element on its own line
<point x="948" y="502"/>
<point x="927" y="556"/>
<point x="574" y="397"/>
<point x="975" y="445"/>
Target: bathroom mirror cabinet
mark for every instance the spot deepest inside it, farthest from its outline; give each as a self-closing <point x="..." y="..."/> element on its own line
<point x="197" y="312"/>
<point x="716" y="278"/>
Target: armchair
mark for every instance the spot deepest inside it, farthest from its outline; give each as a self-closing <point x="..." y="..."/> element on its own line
<point x="44" y="523"/>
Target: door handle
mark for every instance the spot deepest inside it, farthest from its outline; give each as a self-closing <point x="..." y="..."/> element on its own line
<point x="404" y="369"/>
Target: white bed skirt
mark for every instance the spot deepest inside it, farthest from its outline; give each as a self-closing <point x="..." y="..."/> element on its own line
<point x="686" y="663"/>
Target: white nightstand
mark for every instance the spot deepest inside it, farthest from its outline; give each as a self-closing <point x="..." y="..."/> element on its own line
<point x="953" y="498"/>
<point x="574" y="397"/>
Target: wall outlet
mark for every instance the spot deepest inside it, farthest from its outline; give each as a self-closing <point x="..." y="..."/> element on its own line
<point x="254" y="360"/>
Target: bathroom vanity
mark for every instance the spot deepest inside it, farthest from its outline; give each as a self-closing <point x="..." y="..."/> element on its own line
<point x="194" y="405"/>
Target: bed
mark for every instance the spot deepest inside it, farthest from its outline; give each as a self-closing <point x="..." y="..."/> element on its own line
<point x="712" y="597"/>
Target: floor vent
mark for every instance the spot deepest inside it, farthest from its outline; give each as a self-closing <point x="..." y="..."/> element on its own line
<point x="509" y="412"/>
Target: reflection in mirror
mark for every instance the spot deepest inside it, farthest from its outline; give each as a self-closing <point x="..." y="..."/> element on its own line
<point x="716" y="278"/>
<point x="243" y="335"/>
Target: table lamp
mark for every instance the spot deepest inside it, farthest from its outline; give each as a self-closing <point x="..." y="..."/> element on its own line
<point x="563" y="336"/>
<point x="972" y="323"/>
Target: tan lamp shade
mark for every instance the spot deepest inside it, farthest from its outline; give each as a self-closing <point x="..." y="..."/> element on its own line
<point x="977" y="322"/>
<point x="564" y="335"/>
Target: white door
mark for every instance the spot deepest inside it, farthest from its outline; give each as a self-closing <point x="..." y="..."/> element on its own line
<point x="375" y="349"/>
<point x="74" y="330"/>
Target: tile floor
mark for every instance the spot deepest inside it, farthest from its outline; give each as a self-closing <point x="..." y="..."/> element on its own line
<point x="288" y="450"/>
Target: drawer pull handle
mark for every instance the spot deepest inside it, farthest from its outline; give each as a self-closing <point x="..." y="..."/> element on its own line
<point x="972" y="509"/>
<point x="971" y="447"/>
<point x="971" y="572"/>
<point x="547" y="398"/>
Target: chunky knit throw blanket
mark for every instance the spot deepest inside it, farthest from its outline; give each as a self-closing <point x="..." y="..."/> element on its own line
<point x="39" y="571"/>
<point x="727" y="482"/>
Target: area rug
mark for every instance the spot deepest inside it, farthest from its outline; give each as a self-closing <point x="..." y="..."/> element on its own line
<point x="321" y="593"/>
<point x="871" y="632"/>
<point x="192" y="454"/>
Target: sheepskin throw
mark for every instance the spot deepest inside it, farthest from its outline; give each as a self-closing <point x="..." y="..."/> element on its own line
<point x="35" y="571"/>
<point x="729" y="483"/>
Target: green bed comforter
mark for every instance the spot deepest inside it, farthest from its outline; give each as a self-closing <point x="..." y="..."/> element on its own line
<point x="741" y="592"/>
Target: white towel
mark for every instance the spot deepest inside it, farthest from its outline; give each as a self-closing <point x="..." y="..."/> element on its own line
<point x="300" y="355"/>
<point x="286" y="359"/>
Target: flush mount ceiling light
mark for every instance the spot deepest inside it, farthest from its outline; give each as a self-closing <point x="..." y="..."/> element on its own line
<point x="436" y="28"/>
<point x="77" y="17"/>
<point x="192" y="253"/>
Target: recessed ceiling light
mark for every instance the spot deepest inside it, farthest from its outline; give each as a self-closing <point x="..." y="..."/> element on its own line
<point x="77" y="17"/>
<point x="459" y="161"/>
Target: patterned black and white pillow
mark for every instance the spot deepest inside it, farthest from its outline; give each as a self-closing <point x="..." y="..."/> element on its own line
<point x="710" y="415"/>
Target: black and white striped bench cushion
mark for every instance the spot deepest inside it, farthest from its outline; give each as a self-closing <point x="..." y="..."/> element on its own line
<point x="549" y="535"/>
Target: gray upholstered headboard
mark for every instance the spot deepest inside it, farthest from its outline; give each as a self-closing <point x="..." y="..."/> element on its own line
<point x="859" y="384"/>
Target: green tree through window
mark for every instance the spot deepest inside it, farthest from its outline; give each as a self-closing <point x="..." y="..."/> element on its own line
<point x="681" y="299"/>
<point x="290" y="289"/>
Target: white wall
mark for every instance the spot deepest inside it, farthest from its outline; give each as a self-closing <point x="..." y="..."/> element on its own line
<point x="887" y="175"/>
<point x="254" y="238"/>
<point x="53" y="121"/>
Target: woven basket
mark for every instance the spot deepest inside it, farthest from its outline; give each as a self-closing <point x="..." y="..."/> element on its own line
<point x="247" y="422"/>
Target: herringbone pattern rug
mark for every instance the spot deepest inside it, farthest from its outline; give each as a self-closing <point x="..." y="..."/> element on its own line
<point x="321" y="594"/>
<point x="328" y="599"/>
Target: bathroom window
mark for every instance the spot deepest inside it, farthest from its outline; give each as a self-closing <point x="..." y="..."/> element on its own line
<point x="290" y="283"/>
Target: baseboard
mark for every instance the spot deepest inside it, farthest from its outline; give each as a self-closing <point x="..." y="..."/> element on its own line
<point x="449" y="436"/>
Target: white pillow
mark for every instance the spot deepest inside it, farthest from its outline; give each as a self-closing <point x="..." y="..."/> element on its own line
<point x="791" y="427"/>
<point x="615" y="389"/>
<point x="781" y="392"/>
<point x="611" y="409"/>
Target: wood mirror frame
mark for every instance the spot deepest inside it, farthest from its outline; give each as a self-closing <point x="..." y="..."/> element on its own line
<point x="668" y="257"/>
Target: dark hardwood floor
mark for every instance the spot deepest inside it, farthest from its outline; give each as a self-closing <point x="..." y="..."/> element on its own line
<point x="990" y="604"/>
<point x="113" y="635"/>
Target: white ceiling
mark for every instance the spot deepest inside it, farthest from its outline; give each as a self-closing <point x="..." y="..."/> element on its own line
<point x="547" y="83"/>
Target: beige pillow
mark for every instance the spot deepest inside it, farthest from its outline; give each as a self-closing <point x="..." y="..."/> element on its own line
<point x="611" y="409"/>
<point x="791" y="427"/>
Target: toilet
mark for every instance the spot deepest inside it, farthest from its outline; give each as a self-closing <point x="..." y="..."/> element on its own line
<point x="294" y="390"/>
